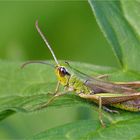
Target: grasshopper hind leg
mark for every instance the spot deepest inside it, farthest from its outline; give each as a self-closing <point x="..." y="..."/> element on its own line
<point x="106" y="109"/>
<point x="99" y="101"/>
<point x="100" y="112"/>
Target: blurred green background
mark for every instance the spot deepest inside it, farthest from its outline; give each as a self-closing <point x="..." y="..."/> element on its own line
<point x="73" y="34"/>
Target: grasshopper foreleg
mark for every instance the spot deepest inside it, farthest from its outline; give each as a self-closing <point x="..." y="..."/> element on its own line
<point x="50" y="100"/>
<point x="55" y="95"/>
<point x="57" y="88"/>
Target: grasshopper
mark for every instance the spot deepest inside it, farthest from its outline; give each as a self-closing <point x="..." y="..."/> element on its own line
<point x="123" y="95"/>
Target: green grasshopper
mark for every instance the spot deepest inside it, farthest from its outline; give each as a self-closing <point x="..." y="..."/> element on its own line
<point x="123" y="95"/>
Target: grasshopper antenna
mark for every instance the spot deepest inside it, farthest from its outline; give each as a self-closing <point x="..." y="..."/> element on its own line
<point x="46" y="42"/>
<point x="38" y="62"/>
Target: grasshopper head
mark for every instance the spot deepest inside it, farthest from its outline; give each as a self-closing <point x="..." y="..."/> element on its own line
<point x="62" y="74"/>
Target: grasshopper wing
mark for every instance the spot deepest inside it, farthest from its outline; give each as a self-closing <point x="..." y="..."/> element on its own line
<point x="101" y="86"/>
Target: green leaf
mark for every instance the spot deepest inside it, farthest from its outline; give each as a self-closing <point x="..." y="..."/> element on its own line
<point x="74" y="131"/>
<point x="132" y="16"/>
<point x="90" y="129"/>
<point x="119" y="21"/>
<point x="29" y="88"/>
<point x="25" y="90"/>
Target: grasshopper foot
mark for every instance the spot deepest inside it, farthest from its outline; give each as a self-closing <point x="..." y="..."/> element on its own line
<point x="102" y="122"/>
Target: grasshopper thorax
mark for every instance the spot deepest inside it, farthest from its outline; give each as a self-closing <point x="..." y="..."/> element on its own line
<point x="62" y="74"/>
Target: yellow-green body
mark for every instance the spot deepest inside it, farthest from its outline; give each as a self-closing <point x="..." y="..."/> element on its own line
<point x="73" y="83"/>
<point x="76" y="83"/>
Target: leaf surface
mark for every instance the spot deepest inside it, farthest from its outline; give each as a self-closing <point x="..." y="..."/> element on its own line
<point x="119" y="22"/>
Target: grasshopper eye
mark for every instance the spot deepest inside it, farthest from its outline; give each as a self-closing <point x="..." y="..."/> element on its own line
<point x="63" y="71"/>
